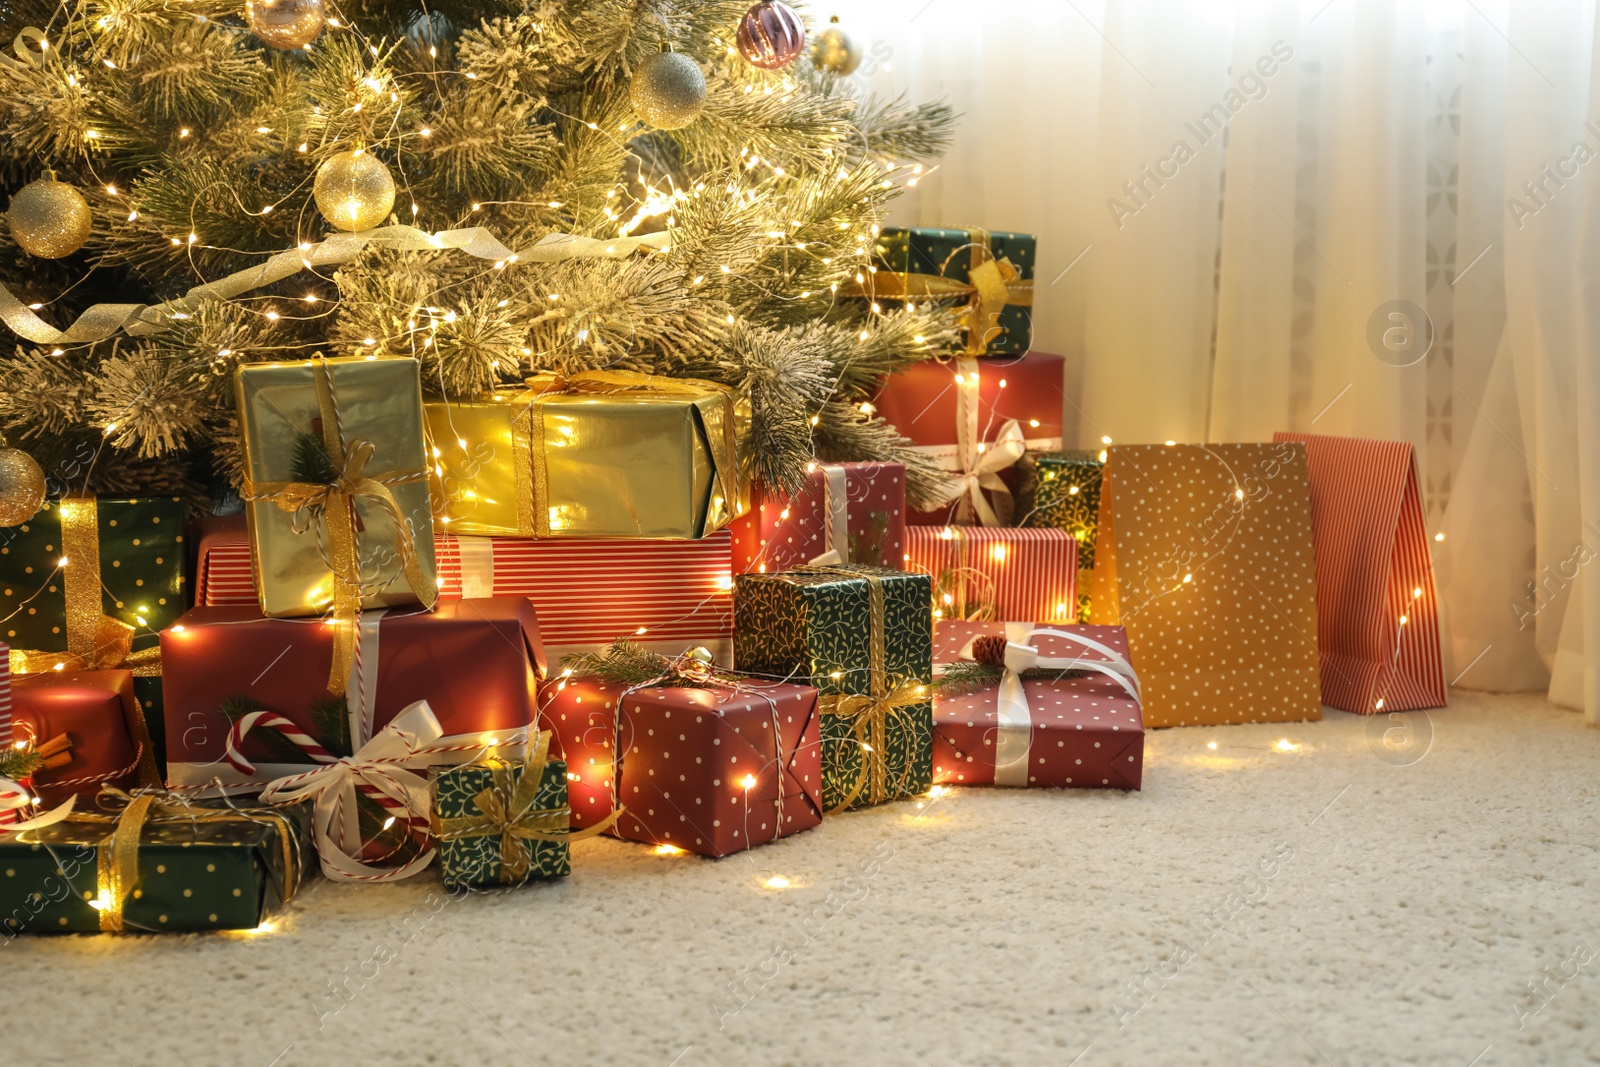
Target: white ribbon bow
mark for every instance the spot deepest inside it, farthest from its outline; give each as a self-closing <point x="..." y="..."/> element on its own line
<point x="1014" y="719"/>
<point x="980" y="467"/>
<point x="386" y="764"/>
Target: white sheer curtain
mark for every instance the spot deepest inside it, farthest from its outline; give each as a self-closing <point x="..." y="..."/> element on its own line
<point x="1219" y="286"/>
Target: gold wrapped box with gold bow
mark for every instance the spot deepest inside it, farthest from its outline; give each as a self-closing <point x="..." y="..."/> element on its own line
<point x="989" y="272"/>
<point x="336" y="489"/>
<point x="152" y="861"/>
<point x="596" y="454"/>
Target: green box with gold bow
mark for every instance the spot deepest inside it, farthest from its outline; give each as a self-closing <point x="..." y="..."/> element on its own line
<point x="863" y="637"/>
<point x="1061" y="491"/>
<point x="503" y="823"/>
<point x="155" y="863"/>
<point x="88" y="583"/>
<point x="991" y="271"/>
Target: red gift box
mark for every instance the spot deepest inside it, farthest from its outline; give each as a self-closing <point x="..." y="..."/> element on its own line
<point x="588" y="592"/>
<point x="100" y="717"/>
<point x="999" y="573"/>
<point x="855" y="509"/>
<point x="713" y="771"/>
<point x="1082" y="730"/>
<point x="962" y="414"/>
<point x="477" y="663"/>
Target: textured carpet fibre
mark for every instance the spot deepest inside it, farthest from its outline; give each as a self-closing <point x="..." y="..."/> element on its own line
<point x="1340" y="902"/>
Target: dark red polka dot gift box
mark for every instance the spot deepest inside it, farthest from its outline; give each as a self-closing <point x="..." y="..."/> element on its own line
<point x="1024" y="704"/>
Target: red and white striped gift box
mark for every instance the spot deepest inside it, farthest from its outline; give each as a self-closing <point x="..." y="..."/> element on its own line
<point x="1027" y="575"/>
<point x="7" y="815"/>
<point x="1377" y="610"/>
<point x="587" y="592"/>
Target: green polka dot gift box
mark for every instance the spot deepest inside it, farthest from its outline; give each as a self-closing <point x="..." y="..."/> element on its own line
<point x="153" y="863"/>
<point x="863" y="636"/>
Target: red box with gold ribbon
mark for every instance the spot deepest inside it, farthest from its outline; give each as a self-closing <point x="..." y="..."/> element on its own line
<point x="846" y="513"/>
<point x="477" y="663"/>
<point x="1020" y="704"/>
<point x="1001" y="573"/>
<point x="976" y="418"/>
<point x="714" y="770"/>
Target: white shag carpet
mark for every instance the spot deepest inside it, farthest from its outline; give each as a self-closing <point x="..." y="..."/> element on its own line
<point x="1329" y="904"/>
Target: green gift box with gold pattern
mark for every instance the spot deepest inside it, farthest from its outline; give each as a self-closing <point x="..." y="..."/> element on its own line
<point x="991" y="271"/>
<point x="503" y="823"/>
<point x="863" y="637"/>
<point x="154" y="863"/>
<point x="1061" y="491"/>
<point x="88" y="583"/>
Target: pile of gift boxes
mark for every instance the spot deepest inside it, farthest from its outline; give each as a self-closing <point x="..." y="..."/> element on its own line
<point x="376" y="667"/>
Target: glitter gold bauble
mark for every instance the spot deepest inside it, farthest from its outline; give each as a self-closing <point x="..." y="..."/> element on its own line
<point x="21" y="487"/>
<point x="49" y="219"/>
<point x="834" y="50"/>
<point x="771" y="35"/>
<point x="354" y="190"/>
<point x="668" y="90"/>
<point x="286" y="24"/>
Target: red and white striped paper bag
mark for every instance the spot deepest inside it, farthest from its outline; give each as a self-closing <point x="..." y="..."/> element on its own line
<point x="1377" y="610"/>
<point x="997" y="573"/>
<point x="667" y="595"/>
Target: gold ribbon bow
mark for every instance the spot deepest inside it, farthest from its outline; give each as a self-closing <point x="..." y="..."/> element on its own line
<point x="117" y="854"/>
<point x="532" y="470"/>
<point x="506" y="807"/>
<point x="872" y="711"/>
<point x="992" y="285"/>
<point x="95" y="640"/>
<point x="335" y="501"/>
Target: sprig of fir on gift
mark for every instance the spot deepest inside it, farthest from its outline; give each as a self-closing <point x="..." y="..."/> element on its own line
<point x="987" y="669"/>
<point x="628" y="663"/>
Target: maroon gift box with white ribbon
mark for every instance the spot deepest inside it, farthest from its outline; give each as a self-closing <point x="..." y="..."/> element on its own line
<point x="1001" y="573"/>
<point x="588" y="593"/>
<point x="846" y="513"/>
<point x="1083" y="730"/>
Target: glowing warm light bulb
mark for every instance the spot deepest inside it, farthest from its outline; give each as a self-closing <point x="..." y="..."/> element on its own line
<point x="667" y="850"/>
<point x="748" y="781"/>
<point x="1187" y="578"/>
<point x="178" y="628"/>
<point x="63" y="561"/>
<point x="938" y="791"/>
<point x="1212" y="745"/>
<point x="1105" y="440"/>
<point x="1285" y="745"/>
<point x="777" y="881"/>
<point x="1415" y="593"/>
<point x="1438" y="537"/>
<point x="999" y="553"/>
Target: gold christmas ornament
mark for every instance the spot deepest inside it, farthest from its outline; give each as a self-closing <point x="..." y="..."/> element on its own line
<point x="834" y="50"/>
<point x="286" y="24"/>
<point x="49" y="219"/>
<point x="354" y="190"/>
<point x="21" y="487"/>
<point x="668" y="90"/>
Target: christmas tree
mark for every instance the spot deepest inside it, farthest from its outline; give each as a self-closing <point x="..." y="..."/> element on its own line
<point x="148" y="147"/>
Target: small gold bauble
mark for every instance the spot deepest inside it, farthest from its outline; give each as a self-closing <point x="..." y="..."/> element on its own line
<point x="668" y="90"/>
<point x="286" y="24"/>
<point x="702" y="655"/>
<point x="834" y="50"/>
<point x="49" y="219"/>
<point x="354" y="190"/>
<point x="21" y="487"/>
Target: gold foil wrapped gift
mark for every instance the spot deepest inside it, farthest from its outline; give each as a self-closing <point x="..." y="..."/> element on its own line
<point x="336" y="488"/>
<point x="597" y="454"/>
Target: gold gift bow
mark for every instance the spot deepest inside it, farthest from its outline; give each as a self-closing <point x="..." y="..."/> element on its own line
<point x="336" y="500"/>
<point x="872" y="710"/>
<point x="992" y="285"/>
<point x="532" y="471"/>
<point x="507" y="809"/>
<point x="117" y="855"/>
<point x="104" y="320"/>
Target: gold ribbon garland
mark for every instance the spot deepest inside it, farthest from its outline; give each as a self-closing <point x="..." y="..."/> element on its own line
<point x="335" y="501"/>
<point x="117" y="854"/>
<point x="992" y="285"/>
<point x="506" y="808"/>
<point x="872" y="711"/>
<point x="527" y="438"/>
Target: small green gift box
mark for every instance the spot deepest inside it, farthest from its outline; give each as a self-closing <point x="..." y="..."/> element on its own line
<point x="991" y="271"/>
<point x="503" y="823"/>
<point x="89" y="583"/>
<point x="863" y="637"/>
<point x="155" y="862"/>
<point x="1061" y="491"/>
